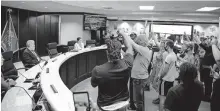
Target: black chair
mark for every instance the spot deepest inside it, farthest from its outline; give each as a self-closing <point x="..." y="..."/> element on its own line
<point x="52" y="49"/>
<point x="8" y="68"/>
<point x="71" y="44"/>
<point x="21" y="51"/>
<point x="91" y="43"/>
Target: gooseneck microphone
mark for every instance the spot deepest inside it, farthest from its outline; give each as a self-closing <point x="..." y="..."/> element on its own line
<point x="44" y="64"/>
<point x="35" y="105"/>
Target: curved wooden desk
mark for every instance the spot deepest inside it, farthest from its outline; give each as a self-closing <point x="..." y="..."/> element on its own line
<point x="66" y="70"/>
<point x="63" y="72"/>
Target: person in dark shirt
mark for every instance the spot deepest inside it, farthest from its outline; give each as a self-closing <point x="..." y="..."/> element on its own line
<point x="188" y="94"/>
<point x="207" y="62"/>
<point x="215" y="100"/>
<point x="112" y="76"/>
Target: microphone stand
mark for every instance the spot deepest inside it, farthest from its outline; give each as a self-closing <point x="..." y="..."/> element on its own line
<point x="32" y="99"/>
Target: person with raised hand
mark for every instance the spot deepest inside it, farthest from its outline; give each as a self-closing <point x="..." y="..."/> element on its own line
<point x="139" y="72"/>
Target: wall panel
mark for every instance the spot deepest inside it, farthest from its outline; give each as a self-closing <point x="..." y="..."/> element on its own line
<point x="42" y="28"/>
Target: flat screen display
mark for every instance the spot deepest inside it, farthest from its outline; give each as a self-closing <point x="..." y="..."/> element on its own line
<point x="172" y="29"/>
<point x="94" y="22"/>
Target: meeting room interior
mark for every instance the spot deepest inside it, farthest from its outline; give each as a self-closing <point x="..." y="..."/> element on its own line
<point x="110" y="55"/>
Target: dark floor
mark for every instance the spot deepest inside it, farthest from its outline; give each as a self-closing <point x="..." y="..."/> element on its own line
<point x="149" y="96"/>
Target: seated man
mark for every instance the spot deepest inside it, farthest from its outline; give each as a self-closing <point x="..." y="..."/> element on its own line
<point x="30" y="57"/>
<point x="112" y="76"/>
<point x="186" y="96"/>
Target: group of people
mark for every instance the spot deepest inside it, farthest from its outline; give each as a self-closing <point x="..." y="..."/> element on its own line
<point x="178" y="73"/>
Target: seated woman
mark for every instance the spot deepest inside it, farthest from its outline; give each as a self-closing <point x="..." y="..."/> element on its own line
<point x="79" y="45"/>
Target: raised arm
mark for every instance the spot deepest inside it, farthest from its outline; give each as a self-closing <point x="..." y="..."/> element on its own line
<point x="144" y="51"/>
<point x="216" y="51"/>
<point x="128" y="45"/>
<point x="155" y="40"/>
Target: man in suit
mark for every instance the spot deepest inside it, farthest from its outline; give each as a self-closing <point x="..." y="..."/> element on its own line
<point x="30" y="57"/>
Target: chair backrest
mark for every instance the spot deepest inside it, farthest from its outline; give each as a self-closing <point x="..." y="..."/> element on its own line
<point x="21" y="51"/>
<point x="71" y="44"/>
<point x="90" y="43"/>
<point x="8" y="68"/>
<point x="52" y="49"/>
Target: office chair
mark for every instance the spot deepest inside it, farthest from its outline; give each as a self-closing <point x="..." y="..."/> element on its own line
<point x="119" y="106"/>
<point x="91" y="43"/>
<point x="8" y="68"/>
<point x="80" y="103"/>
<point x="21" y="51"/>
<point x="52" y="49"/>
<point x="71" y="44"/>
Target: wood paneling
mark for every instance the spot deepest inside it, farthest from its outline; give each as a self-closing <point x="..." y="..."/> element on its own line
<point x="24" y="34"/>
<point x="33" y="25"/>
<point x="72" y="71"/>
<point x="79" y="67"/>
<point x="40" y="35"/>
<point x="82" y="64"/>
<point x="54" y="28"/>
<point x="40" y="27"/>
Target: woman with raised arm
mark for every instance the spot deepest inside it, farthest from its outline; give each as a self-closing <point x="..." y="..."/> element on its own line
<point x="157" y="64"/>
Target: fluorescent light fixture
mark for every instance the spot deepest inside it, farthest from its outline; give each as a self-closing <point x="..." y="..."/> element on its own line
<point x="150" y="18"/>
<point x="184" y="20"/>
<point x="150" y="13"/>
<point x="146" y="7"/>
<point x="208" y="9"/>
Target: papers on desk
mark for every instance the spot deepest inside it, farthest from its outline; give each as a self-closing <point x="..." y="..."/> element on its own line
<point x="23" y="100"/>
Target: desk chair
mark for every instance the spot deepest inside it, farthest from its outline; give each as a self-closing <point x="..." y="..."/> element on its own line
<point x="21" y="51"/>
<point x="119" y="106"/>
<point x="80" y="103"/>
<point x="71" y="44"/>
<point x="52" y="49"/>
<point x="91" y="43"/>
<point x="8" y="68"/>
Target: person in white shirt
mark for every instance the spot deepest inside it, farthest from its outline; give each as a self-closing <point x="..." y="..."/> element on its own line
<point x="79" y="45"/>
<point x="168" y="73"/>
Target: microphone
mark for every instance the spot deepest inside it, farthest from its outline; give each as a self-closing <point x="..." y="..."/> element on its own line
<point x="35" y="104"/>
<point x="38" y="74"/>
<point x="27" y="79"/>
<point x="44" y="64"/>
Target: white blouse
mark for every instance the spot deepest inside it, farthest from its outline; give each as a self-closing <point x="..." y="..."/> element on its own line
<point x="79" y="46"/>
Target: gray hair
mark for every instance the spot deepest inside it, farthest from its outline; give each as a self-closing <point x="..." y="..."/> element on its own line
<point x="29" y="42"/>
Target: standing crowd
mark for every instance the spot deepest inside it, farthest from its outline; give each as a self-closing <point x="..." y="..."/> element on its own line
<point x="183" y="72"/>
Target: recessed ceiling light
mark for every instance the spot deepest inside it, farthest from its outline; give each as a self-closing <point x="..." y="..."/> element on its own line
<point x="22" y="2"/>
<point x="45" y="7"/>
<point x="146" y="7"/>
<point x="208" y="9"/>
